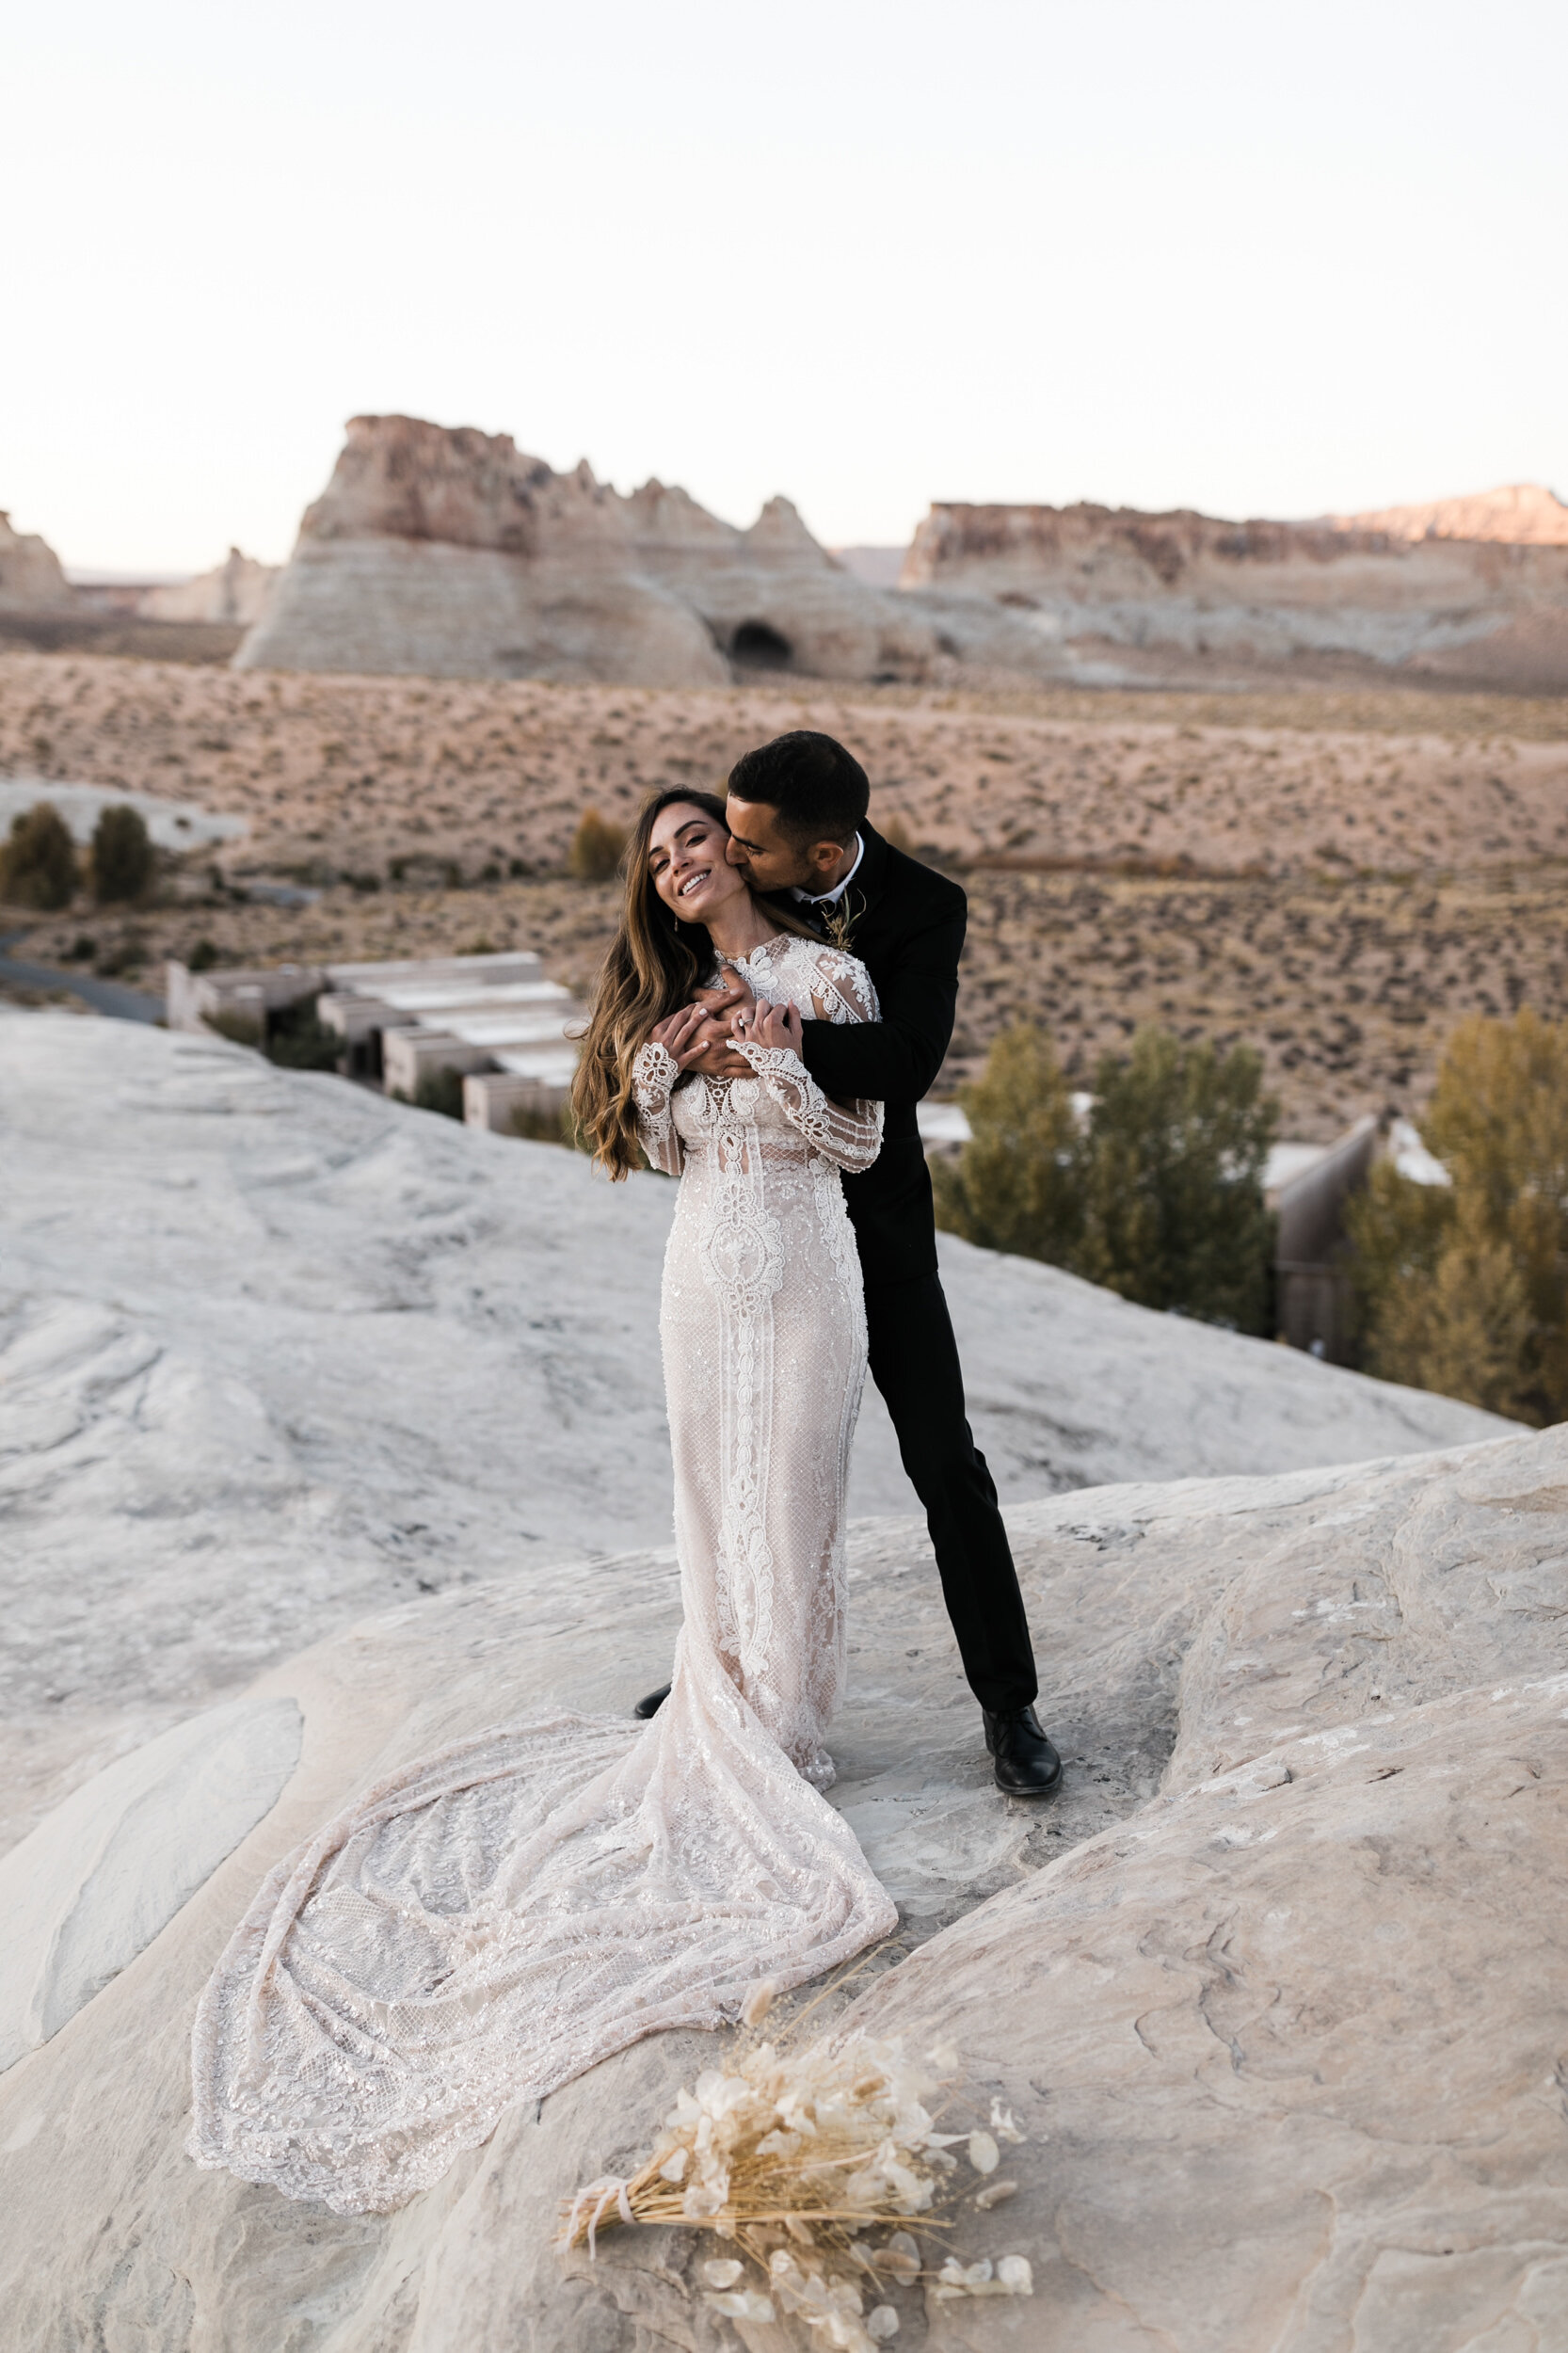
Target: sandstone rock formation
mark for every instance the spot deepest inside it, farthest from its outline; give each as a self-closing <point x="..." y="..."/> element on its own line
<point x="1521" y="514"/>
<point x="452" y="553"/>
<point x="277" y="1352"/>
<point x="449" y="553"/>
<point x="31" y="579"/>
<point x="1274" y="1989"/>
<point x="1122" y="590"/>
<point x="237" y="590"/>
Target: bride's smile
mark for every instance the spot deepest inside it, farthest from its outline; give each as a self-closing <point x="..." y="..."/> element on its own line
<point x="690" y="870"/>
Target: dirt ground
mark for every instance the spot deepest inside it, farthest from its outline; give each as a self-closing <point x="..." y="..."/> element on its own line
<point x="1335" y="877"/>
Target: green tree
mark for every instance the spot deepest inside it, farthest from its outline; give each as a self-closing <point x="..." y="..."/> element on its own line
<point x="597" y="848"/>
<point x="1463" y="1288"/>
<point x="38" y="865"/>
<point x="1016" y="1184"/>
<point x="1173" y="1184"/>
<point x="123" y="856"/>
<point x="1162" y="1200"/>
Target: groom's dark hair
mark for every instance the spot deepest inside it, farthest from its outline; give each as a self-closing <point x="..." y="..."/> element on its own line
<point x="819" y="790"/>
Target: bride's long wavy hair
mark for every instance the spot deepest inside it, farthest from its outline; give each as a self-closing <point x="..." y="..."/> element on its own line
<point x="654" y="963"/>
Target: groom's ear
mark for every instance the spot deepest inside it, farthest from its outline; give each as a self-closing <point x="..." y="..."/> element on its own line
<point x="823" y="857"/>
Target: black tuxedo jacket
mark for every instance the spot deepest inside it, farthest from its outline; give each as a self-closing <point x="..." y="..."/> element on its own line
<point x="906" y="925"/>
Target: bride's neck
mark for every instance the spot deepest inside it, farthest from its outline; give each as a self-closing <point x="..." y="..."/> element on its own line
<point x="740" y="927"/>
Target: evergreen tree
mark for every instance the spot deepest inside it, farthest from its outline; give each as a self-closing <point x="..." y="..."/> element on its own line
<point x="1463" y="1288"/>
<point x="38" y="865"/>
<point x="1016" y="1185"/>
<point x="123" y="856"/>
<point x="1161" y="1200"/>
<point x="1172" y="1195"/>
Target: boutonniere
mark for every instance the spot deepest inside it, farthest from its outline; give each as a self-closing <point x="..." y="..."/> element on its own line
<point x="838" y="922"/>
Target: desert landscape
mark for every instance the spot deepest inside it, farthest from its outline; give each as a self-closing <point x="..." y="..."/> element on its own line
<point x="1335" y="876"/>
<point x="308" y="1391"/>
<point x="519" y="1830"/>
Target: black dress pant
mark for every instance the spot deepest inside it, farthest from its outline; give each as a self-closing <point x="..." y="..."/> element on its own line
<point x="914" y="1362"/>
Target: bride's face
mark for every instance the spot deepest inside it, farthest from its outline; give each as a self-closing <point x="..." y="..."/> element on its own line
<point x="686" y="860"/>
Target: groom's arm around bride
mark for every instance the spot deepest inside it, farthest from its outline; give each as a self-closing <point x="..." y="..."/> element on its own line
<point x="797" y="817"/>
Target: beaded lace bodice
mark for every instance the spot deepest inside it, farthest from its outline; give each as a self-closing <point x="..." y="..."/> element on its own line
<point x="488" y="1922"/>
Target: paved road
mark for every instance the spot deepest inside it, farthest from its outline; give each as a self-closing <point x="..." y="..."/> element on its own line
<point x="122" y="1004"/>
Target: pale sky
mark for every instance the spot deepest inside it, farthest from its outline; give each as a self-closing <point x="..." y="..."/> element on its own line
<point x="1251" y="256"/>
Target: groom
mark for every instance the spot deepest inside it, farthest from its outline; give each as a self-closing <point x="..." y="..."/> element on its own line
<point x="798" y="831"/>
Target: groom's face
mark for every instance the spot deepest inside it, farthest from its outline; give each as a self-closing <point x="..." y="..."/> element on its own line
<point x="765" y="853"/>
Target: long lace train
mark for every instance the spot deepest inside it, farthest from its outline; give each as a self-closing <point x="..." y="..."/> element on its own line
<point x="489" y="1923"/>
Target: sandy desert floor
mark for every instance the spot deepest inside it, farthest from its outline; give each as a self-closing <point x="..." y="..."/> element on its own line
<point x="1335" y="876"/>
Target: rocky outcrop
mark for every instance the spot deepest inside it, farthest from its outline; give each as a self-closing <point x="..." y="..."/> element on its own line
<point x="1120" y="587"/>
<point x="1274" y="1990"/>
<point x="237" y="590"/>
<point x="450" y="553"/>
<point x="1521" y="514"/>
<point x="31" y="579"/>
<point x="353" y="1353"/>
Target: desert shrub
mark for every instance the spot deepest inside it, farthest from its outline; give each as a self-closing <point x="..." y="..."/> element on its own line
<point x="597" y="848"/>
<point x="1465" y="1289"/>
<point x="123" y="855"/>
<point x="202" y="956"/>
<point x="1160" y="1200"/>
<point x="535" y="1125"/>
<point x="37" y="864"/>
<point x="441" y="1090"/>
<point x="295" y="1040"/>
<point x="240" y="1028"/>
<point x="1018" y="1183"/>
<point x="115" y="957"/>
<point x="1173" y="1184"/>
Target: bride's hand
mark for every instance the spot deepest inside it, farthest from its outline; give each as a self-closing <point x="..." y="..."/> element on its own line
<point x="774" y="1025"/>
<point x="677" y="1034"/>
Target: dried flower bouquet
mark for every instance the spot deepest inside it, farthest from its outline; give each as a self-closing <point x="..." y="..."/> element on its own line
<point x="798" y="2153"/>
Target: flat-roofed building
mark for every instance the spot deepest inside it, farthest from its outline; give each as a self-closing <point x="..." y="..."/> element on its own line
<point x="496" y="1017"/>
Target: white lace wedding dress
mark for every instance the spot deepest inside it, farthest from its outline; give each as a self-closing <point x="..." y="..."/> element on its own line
<point x="495" y="1918"/>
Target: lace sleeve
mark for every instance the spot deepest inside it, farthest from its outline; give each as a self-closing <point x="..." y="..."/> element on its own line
<point x="850" y="1134"/>
<point x="654" y="1077"/>
<point x="843" y="990"/>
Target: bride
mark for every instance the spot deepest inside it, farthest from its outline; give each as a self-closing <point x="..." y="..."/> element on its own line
<point x="495" y="1918"/>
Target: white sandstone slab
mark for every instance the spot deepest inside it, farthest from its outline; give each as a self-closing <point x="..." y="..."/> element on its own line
<point x="1275" y="1988"/>
<point x="276" y="1353"/>
<point x="96" y="1881"/>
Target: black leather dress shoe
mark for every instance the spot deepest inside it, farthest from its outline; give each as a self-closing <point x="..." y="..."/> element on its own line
<point x="1026" y="1764"/>
<point x="651" y="1701"/>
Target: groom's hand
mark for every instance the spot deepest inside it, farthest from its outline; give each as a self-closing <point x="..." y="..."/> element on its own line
<point x="712" y="1053"/>
<point x="730" y="994"/>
